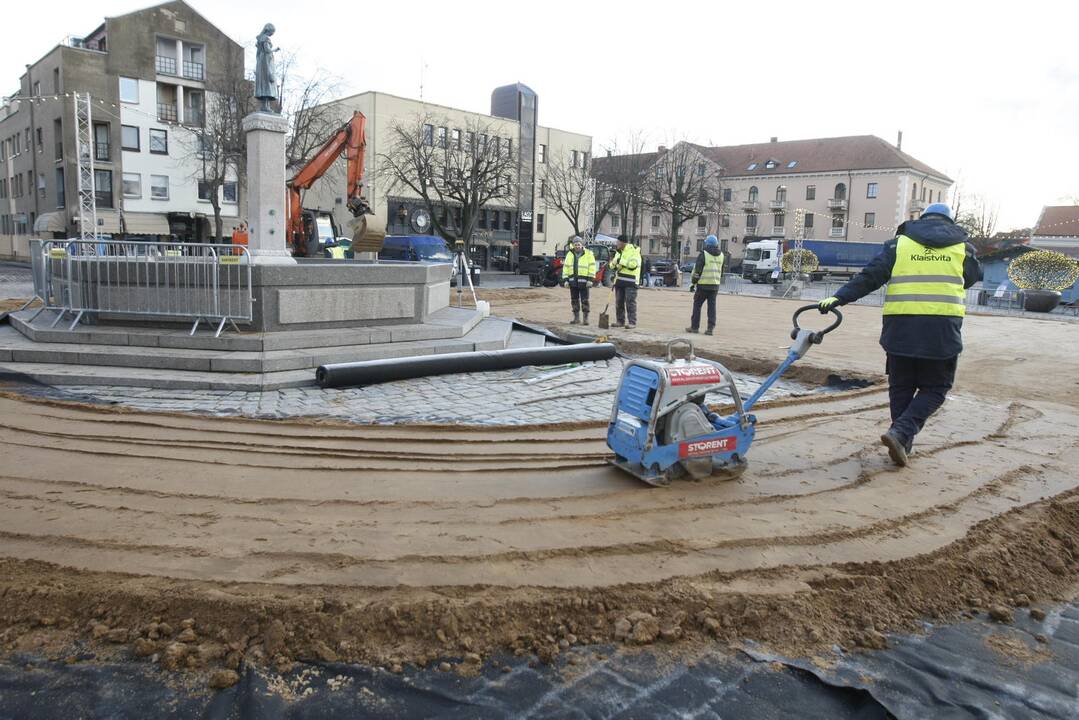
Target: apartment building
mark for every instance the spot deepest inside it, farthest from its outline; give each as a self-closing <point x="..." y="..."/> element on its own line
<point x="857" y="188"/>
<point x="523" y="224"/>
<point x="149" y="75"/>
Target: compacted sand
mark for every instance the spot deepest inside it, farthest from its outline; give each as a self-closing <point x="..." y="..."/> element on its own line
<point x="277" y="540"/>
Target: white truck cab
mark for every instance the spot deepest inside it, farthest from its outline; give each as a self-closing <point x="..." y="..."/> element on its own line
<point x="761" y="261"/>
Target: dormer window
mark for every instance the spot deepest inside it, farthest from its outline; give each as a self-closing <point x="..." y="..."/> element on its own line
<point x="791" y="164"/>
<point x="771" y="165"/>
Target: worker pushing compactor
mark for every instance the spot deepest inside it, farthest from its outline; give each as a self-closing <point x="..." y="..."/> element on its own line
<point x="927" y="267"/>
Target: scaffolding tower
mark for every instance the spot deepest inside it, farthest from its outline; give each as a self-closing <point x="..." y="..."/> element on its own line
<point x="84" y="151"/>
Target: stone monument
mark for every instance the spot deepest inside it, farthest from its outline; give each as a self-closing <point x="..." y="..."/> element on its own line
<point x="265" y="130"/>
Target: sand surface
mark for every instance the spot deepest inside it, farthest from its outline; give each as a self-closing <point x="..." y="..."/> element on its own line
<point x="284" y="540"/>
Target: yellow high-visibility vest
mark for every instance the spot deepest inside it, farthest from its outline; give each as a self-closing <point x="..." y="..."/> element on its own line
<point x="579" y="267"/>
<point x="926" y="280"/>
<point x="627" y="263"/>
<point x="712" y="273"/>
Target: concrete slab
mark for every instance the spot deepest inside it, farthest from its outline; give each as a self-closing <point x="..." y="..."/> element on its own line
<point x="520" y="339"/>
<point x="491" y="334"/>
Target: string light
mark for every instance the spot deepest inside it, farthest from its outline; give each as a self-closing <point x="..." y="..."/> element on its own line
<point x="1043" y="270"/>
<point x="800" y="260"/>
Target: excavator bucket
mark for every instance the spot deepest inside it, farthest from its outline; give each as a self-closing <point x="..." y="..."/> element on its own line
<point x="368" y="232"/>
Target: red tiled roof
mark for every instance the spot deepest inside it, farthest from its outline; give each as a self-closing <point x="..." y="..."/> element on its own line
<point x="1061" y="220"/>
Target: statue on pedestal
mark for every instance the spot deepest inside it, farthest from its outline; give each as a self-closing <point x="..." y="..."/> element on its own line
<point x="265" y="77"/>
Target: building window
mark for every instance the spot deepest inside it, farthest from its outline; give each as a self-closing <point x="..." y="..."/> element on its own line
<point x="541" y="154"/>
<point x="539" y="222"/>
<point x="56" y="81"/>
<point x="61" y="197"/>
<point x="543" y="188"/>
<point x="159" y="187"/>
<point x="58" y="137"/>
<point x="700" y="169"/>
<point x="230" y="192"/>
<point x="808" y="221"/>
<point x="781" y="193"/>
<point x="132" y="185"/>
<point x="753" y="194"/>
<point x="129" y="90"/>
<point x="724" y="220"/>
<point x="923" y="193"/>
<point x="573" y="158"/>
<point x="811" y="192"/>
<point x="655" y="221"/>
<point x="483" y="220"/>
<point x="101" y="142"/>
<point x="159" y="141"/>
<point x="871" y="190"/>
<point x="428" y="134"/>
<point x="653" y="245"/>
<point x="751" y="221"/>
<point x="129" y="137"/>
<point x="103" y="186"/>
<point x="702" y="222"/>
<point x="726" y="194"/>
<point x="914" y="191"/>
<point x="455" y="138"/>
<point x="507" y="220"/>
<point x="837" y="220"/>
<point x="870" y="219"/>
<point x="442" y="137"/>
<point x="840" y="191"/>
<point x="470" y="141"/>
<point x="41" y="184"/>
<point x="39" y="139"/>
<point x="616" y="222"/>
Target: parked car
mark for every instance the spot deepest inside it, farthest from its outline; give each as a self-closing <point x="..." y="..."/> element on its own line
<point x="416" y="248"/>
<point x="666" y="270"/>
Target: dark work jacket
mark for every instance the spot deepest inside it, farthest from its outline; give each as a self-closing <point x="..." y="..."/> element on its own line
<point x="934" y="337"/>
<point x="698" y="267"/>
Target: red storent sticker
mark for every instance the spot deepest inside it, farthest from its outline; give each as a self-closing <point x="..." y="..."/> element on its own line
<point x="695" y="375"/>
<point x="702" y="448"/>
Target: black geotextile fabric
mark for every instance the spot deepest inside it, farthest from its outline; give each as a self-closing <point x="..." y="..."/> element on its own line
<point x="951" y="672"/>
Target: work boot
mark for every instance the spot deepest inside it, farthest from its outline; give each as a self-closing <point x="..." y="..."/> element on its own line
<point x="709" y="332"/>
<point x="576" y="319"/>
<point x="897" y="447"/>
<point x="631" y="326"/>
<point x="618" y="324"/>
<point x="692" y="330"/>
<point x="585" y="320"/>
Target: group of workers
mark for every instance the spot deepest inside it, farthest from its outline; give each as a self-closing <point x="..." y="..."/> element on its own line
<point x="927" y="266"/>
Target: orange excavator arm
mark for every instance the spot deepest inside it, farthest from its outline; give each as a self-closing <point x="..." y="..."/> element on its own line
<point x="351" y="140"/>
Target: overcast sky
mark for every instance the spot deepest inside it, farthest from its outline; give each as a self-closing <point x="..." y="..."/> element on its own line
<point x="989" y="96"/>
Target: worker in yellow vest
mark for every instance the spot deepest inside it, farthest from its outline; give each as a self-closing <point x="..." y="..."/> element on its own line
<point x="579" y="272"/>
<point x="704" y="282"/>
<point x="927" y="267"/>
<point x="626" y="264"/>
<point x="334" y="251"/>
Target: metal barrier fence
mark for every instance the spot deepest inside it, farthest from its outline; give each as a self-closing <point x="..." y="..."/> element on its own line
<point x="188" y="281"/>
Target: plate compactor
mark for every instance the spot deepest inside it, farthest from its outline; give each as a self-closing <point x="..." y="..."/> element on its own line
<point x="660" y="427"/>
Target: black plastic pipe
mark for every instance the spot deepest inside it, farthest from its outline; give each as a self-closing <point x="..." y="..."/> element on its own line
<point x="372" y="372"/>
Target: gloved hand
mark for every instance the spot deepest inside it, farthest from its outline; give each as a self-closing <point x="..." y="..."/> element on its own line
<point x="693" y="288"/>
<point x="562" y="282"/>
<point x="827" y="304"/>
<point x="595" y="283"/>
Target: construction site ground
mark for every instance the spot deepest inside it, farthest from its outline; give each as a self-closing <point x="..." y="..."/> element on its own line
<point x="204" y="543"/>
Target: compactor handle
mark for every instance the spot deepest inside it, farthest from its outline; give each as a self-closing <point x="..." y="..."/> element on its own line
<point x="818" y="335"/>
<point x="684" y="341"/>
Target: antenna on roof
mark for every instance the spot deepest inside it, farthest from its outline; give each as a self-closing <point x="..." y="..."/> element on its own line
<point x="899" y="141"/>
<point x="423" y="66"/>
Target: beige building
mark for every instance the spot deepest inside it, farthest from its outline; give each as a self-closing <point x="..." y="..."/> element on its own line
<point x="857" y="188"/>
<point x="524" y="224"/>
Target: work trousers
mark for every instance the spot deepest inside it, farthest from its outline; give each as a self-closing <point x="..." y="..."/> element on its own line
<point x="578" y="296"/>
<point x="625" y="303"/>
<point x="916" y="389"/>
<point x="703" y="294"/>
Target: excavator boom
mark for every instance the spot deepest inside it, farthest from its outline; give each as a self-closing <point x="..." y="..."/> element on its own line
<point x="351" y="140"/>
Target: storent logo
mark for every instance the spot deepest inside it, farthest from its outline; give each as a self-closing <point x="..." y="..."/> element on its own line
<point x="707" y="447"/>
<point x="930" y="257"/>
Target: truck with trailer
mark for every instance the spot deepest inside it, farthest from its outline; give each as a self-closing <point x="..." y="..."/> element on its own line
<point x="836" y="258"/>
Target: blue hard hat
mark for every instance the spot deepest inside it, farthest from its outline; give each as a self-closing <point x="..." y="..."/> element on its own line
<point x="939" y="209"/>
<point x="711" y="241"/>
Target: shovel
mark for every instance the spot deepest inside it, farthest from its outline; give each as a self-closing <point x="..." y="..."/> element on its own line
<point x="604" y="319"/>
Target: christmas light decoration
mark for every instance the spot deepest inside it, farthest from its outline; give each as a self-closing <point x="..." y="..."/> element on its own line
<point x="800" y="260"/>
<point x="1043" y="270"/>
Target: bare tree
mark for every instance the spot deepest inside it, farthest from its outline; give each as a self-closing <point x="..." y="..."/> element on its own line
<point x="621" y="181"/>
<point x="684" y="185"/>
<point x="455" y="178"/>
<point x="568" y="187"/>
<point x="304" y="98"/>
<point x="218" y="146"/>
<point x="979" y="218"/>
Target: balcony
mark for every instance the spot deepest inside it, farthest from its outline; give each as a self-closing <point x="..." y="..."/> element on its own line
<point x="837" y="203"/>
<point x="778" y="204"/>
<point x="166" y="112"/>
<point x="917" y="205"/>
<point x="101" y="152"/>
<point x="836" y="232"/>
<point x="194" y="70"/>
<point x="165" y="65"/>
<point x="751" y="205"/>
<point x="194" y="116"/>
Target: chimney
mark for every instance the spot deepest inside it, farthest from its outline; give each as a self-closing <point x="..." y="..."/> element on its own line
<point x="663" y="148"/>
<point x="899" y="141"/>
<point x="774" y="139"/>
<point x="608" y="153"/>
